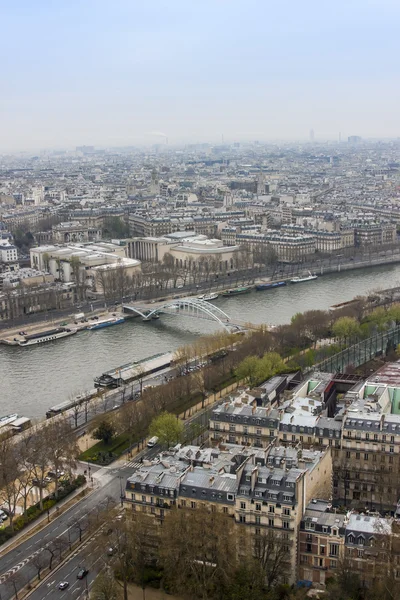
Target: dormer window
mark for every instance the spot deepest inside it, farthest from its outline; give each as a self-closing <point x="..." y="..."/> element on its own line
<point x="351" y="539"/>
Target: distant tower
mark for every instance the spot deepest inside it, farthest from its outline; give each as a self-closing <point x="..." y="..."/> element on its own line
<point x="261" y="184"/>
<point x="311" y="135"/>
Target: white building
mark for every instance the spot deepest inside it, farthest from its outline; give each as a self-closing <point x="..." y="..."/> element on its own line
<point x="8" y="253"/>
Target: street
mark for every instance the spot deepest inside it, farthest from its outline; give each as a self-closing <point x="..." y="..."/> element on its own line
<point x="20" y="565"/>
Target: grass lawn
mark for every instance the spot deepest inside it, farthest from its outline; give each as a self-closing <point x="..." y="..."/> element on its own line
<point x="116" y="447"/>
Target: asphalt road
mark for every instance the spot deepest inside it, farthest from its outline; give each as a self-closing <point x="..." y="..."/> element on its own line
<point x="20" y="564"/>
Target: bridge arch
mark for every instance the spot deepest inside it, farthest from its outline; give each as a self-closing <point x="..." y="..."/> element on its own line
<point x="193" y="307"/>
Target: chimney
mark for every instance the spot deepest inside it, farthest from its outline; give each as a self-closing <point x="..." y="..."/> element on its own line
<point x="291" y="419"/>
<point x="253" y="410"/>
<point x="381" y="422"/>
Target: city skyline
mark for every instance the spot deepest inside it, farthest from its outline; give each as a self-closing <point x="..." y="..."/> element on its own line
<point x="113" y="75"/>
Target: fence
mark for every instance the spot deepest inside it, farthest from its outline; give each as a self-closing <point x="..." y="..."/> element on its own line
<point x="360" y="353"/>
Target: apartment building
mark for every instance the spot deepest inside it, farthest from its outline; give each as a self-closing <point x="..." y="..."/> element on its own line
<point x="263" y="490"/>
<point x="321" y="542"/>
<point x="375" y="234"/>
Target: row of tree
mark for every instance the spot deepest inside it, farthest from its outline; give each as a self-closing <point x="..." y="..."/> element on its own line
<point x="25" y="462"/>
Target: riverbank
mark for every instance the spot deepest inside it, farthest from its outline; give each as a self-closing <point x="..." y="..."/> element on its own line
<point x="286" y="272"/>
<point x="320" y="268"/>
<point x="34" y="380"/>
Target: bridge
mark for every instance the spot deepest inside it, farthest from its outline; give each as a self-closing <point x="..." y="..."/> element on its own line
<point x="188" y="307"/>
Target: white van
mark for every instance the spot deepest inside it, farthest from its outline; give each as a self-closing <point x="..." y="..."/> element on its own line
<point x="152" y="442"/>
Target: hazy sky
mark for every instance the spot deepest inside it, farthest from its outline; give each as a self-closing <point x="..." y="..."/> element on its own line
<point x="109" y="72"/>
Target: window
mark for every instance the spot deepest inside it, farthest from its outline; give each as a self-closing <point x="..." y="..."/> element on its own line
<point x="365" y="456"/>
<point x="357" y="456"/>
<point x="334" y="549"/>
<point x="243" y="505"/>
<point x="230" y="496"/>
<point x="271" y="522"/>
<point x="391" y="449"/>
<point x="322" y="549"/>
<point x="333" y="564"/>
<point x="258" y="506"/>
<point x="348" y="454"/>
<point x="242" y="518"/>
<point x="361" y="540"/>
<point x="225" y="509"/>
<point x="258" y="520"/>
<point x="183" y="502"/>
<point x="285" y="524"/>
<point x="271" y="508"/>
<point x="286" y="511"/>
<point x="350" y="539"/>
<point x="193" y="505"/>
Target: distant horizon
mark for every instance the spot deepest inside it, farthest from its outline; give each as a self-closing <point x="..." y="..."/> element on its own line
<point x="180" y="144"/>
<point x="124" y="73"/>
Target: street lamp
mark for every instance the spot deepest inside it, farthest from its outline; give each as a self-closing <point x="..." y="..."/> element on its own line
<point x="120" y="489"/>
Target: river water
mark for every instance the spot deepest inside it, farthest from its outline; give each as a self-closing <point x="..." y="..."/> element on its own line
<point x="34" y="378"/>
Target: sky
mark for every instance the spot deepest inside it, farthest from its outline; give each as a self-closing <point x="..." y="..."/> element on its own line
<point x="113" y="73"/>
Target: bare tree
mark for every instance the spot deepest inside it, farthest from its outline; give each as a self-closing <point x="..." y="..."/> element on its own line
<point x="39" y="561"/>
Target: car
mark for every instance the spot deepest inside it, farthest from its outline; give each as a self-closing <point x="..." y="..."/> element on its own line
<point x="110" y="551"/>
<point x="63" y="585"/>
<point x="82" y="573"/>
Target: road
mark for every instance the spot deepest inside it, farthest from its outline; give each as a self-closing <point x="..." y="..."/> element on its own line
<point x="20" y="564"/>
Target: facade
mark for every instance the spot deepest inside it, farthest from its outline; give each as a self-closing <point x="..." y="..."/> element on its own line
<point x="264" y="491"/>
<point x="321" y="542"/>
<point x="71" y="232"/>
<point x="187" y="250"/>
<point x="16" y="303"/>
<point x="83" y="262"/>
<point x="374" y="234"/>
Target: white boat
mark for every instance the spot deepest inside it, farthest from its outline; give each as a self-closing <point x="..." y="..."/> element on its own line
<point x="201" y="297"/>
<point x="210" y="297"/>
<point x="309" y="277"/>
<point x="101" y="323"/>
<point x="8" y="419"/>
<point x="46" y="336"/>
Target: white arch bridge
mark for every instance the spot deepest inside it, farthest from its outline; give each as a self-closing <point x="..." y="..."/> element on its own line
<point x="187" y="307"/>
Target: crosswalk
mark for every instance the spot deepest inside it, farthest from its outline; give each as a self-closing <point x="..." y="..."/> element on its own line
<point x="135" y="464"/>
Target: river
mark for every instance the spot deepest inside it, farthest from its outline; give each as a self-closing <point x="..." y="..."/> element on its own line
<point x="34" y="378"/>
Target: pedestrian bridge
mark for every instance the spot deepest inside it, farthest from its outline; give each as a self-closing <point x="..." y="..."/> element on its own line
<point x="187" y="307"/>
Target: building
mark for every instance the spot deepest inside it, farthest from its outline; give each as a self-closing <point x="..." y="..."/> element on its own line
<point x="265" y="491"/>
<point x="8" y="256"/>
<point x="186" y="250"/>
<point x="71" y="232"/>
<point x="85" y="264"/>
<point x="321" y="542"/>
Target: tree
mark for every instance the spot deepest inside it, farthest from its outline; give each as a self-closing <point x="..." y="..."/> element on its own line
<point x="272" y="553"/>
<point x="247" y="369"/>
<point x="167" y="428"/>
<point x="105" y="587"/>
<point x="10" y="470"/>
<point x="198" y="552"/>
<point x="61" y="445"/>
<point x="105" y="431"/>
<point x="346" y="328"/>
